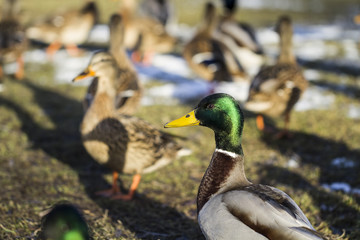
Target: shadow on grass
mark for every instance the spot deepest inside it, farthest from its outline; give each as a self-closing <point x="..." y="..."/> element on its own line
<point x="347" y="90"/>
<point x="317" y="151"/>
<point x="145" y="217"/>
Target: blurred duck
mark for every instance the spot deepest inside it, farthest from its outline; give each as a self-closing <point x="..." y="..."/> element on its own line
<point x="69" y="28"/>
<point x="275" y="89"/>
<point x="124" y="143"/>
<point x="127" y="85"/>
<point x="228" y="205"/>
<point x="12" y="38"/>
<point x="144" y="36"/>
<point x="209" y="57"/>
<point x="64" y="222"/>
<point x="157" y="9"/>
<point x="241" y="38"/>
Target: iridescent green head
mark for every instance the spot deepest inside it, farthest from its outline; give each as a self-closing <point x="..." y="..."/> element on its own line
<point x="64" y="222"/>
<point x="223" y="115"/>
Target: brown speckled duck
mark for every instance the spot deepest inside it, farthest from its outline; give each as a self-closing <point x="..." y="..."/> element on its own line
<point x="144" y="35"/>
<point x="127" y="85"/>
<point x="123" y="143"/>
<point x="69" y="28"/>
<point x="229" y="206"/>
<point x="12" y="38"/>
<point x="207" y="56"/>
<point x="275" y="89"/>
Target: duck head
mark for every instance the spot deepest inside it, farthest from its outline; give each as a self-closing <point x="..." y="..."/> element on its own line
<point x="221" y="113"/>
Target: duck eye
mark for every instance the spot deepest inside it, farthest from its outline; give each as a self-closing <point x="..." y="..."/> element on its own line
<point x="210" y="106"/>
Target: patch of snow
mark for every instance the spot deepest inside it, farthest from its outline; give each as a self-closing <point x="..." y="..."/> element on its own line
<point x="67" y="67"/>
<point x="100" y="33"/>
<point x="315" y="50"/>
<point x="171" y="63"/>
<point x="350" y="49"/>
<point x="10" y="68"/>
<point x="342" y="162"/>
<point x="36" y="56"/>
<point x="267" y="36"/>
<point x="239" y="90"/>
<point x="172" y="93"/>
<point x="354" y="111"/>
<point x="311" y="74"/>
<point x="338" y="186"/>
<point x="314" y="98"/>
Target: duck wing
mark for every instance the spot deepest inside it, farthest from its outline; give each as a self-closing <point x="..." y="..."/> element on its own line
<point x="270" y="212"/>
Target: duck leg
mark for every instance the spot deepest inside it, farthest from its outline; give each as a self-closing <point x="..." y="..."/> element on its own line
<point x="20" y="68"/>
<point x="72" y="50"/>
<point x="284" y="133"/>
<point x="113" y="190"/>
<point x="133" y="187"/>
<point x="53" y="48"/>
<point x="260" y="124"/>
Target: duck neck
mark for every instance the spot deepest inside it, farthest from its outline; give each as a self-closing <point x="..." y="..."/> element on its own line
<point x="225" y="172"/>
<point x="101" y="108"/>
<point x="286" y="51"/>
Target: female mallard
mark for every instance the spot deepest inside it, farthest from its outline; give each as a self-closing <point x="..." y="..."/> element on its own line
<point x="144" y="35"/>
<point x="64" y="222"/>
<point x="241" y="38"/>
<point x="209" y="57"/>
<point x="228" y="205"/>
<point x="12" y="38"/>
<point x="69" y="28"/>
<point x="124" y="143"/>
<point x="275" y="89"/>
<point x="127" y="85"/>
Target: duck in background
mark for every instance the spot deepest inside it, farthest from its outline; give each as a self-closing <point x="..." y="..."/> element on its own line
<point x="127" y="86"/>
<point x="157" y="9"/>
<point x="229" y="206"/>
<point x="144" y="36"/>
<point x="64" y="222"/>
<point x="241" y="38"/>
<point x="69" y="28"/>
<point x="124" y="143"/>
<point x="13" y="41"/>
<point x="209" y="57"/>
<point x="275" y="89"/>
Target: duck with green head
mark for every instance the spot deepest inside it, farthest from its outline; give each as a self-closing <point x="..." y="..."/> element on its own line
<point x="228" y="205"/>
<point x="64" y="222"/>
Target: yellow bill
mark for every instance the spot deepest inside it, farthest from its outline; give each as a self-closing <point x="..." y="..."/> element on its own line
<point x="187" y="120"/>
<point x="87" y="73"/>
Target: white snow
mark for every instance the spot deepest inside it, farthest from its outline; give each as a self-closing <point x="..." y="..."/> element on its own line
<point x="100" y="33"/>
<point x="342" y="162"/>
<point x="314" y="98"/>
<point x="338" y="186"/>
<point x="354" y="111"/>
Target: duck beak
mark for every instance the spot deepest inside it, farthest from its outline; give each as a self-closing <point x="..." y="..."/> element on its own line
<point x="87" y="73"/>
<point x="187" y="120"/>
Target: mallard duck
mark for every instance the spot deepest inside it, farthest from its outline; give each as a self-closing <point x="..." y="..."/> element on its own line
<point x="208" y="57"/>
<point x="64" y="222"/>
<point x="69" y="28"/>
<point x="144" y="35"/>
<point x="12" y="38"/>
<point x="275" y="89"/>
<point x="229" y="206"/>
<point x="127" y="85"/>
<point x="123" y="143"/>
<point x="241" y="38"/>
